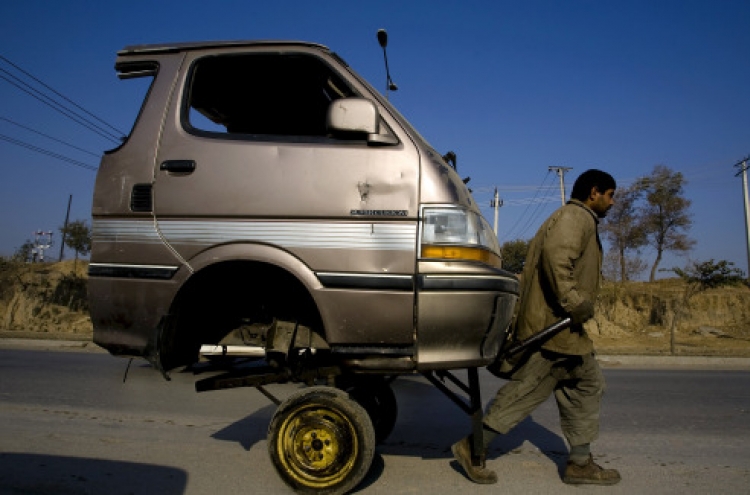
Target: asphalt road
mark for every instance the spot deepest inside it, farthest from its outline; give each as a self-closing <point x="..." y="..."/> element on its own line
<point x="70" y="425"/>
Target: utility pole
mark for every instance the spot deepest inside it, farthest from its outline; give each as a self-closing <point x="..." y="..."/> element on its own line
<point x="560" y="173"/>
<point x="496" y="203"/>
<point x="742" y="165"/>
<point x="65" y="228"/>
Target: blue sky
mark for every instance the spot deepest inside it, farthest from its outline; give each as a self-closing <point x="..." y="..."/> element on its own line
<point x="513" y="87"/>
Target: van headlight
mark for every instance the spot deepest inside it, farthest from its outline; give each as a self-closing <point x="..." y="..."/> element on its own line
<point x="457" y="234"/>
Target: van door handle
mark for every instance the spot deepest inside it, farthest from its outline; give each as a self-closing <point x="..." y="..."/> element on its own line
<point x="178" y="166"/>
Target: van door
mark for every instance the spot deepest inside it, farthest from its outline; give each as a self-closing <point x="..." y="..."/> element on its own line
<point x="245" y="158"/>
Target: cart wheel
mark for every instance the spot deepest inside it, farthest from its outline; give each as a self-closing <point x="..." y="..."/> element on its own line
<point x="321" y="441"/>
<point x="378" y="399"/>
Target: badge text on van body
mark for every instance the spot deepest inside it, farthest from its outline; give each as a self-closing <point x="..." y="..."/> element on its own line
<point x="379" y="213"/>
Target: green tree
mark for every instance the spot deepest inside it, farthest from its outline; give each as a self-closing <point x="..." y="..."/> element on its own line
<point x="514" y="255"/>
<point x="24" y="252"/>
<point x="709" y="275"/>
<point x="77" y="236"/>
<point x="665" y="214"/>
<point x="624" y="229"/>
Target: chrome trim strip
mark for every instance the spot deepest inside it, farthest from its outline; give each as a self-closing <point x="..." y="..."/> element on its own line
<point x="155" y="272"/>
<point x="141" y="231"/>
<point x="400" y="236"/>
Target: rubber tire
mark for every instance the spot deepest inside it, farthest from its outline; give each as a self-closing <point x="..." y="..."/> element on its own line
<point x="376" y="396"/>
<point x="321" y="441"/>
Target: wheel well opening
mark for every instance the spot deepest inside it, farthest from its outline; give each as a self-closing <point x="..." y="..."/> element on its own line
<point x="224" y="297"/>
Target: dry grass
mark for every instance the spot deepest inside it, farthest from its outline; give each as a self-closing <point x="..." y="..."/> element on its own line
<point x="661" y="318"/>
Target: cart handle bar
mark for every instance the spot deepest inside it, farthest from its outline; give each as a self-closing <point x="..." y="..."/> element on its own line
<point x="538" y="337"/>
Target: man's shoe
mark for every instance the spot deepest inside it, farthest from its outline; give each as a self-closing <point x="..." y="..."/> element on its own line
<point x="590" y="474"/>
<point x="478" y="474"/>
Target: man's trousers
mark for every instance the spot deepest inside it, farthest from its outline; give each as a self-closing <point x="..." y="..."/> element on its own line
<point x="576" y="381"/>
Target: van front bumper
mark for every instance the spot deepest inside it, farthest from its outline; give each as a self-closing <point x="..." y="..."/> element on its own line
<point x="463" y="319"/>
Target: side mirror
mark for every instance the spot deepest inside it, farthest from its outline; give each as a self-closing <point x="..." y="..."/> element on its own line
<point x="357" y="117"/>
<point x="353" y="115"/>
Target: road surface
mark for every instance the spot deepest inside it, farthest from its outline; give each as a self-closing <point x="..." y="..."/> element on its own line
<point x="70" y="425"/>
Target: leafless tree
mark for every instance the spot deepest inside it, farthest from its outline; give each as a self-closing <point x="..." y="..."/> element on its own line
<point x="612" y="267"/>
<point x="624" y="229"/>
<point x="665" y="213"/>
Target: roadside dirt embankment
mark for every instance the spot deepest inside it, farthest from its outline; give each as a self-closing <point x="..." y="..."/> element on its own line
<point x="49" y="300"/>
<point x="672" y="317"/>
<point x="44" y="300"/>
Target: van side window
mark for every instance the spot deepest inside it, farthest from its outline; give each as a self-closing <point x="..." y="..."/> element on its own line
<point x="262" y="94"/>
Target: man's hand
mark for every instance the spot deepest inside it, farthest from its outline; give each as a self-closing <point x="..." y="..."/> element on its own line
<point x="582" y="313"/>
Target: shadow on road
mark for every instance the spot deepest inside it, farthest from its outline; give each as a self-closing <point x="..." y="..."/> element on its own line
<point x="35" y="474"/>
<point x="249" y="430"/>
<point x="428" y="424"/>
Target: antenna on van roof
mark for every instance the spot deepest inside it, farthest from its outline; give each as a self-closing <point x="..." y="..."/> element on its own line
<point x="383" y="40"/>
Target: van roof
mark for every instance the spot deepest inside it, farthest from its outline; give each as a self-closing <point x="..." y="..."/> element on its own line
<point x="198" y="45"/>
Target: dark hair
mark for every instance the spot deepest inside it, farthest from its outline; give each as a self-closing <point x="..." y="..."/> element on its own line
<point x="590" y="179"/>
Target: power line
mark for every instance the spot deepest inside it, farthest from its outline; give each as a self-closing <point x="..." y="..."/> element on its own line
<point x="118" y="131"/>
<point x="529" y="201"/>
<point x="696" y="179"/>
<point x="58" y="107"/>
<point x="534" y="216"/>
<point x="49" y="137"/>
<point x="506" y="189"/>
<point x="47" y="152"/>
<point x="512" y="230"/>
